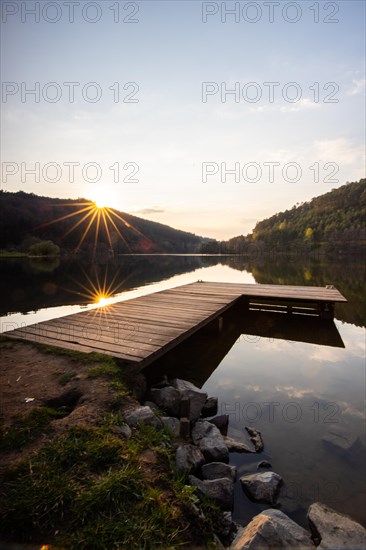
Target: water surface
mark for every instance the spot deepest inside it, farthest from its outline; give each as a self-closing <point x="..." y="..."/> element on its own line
<point x="292" y="378"/>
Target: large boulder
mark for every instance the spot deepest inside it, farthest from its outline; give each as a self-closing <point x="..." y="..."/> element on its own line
<point x="262" y="487"/>
<point x="336" y="531"/>
<point x="210" y="407"/>
<point x="217" y="470"/>
<point x="221" y="491"/>
<point x="167" y="399"/>
<point x="188" y="458"/>
<point x="221" y="422"/>
<point x="196" y="396"/>
<point x="142" y="415"/>
<point x="272" y="529"/>
<point x="210" y="441"/>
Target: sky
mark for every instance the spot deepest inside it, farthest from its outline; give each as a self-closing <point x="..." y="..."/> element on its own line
<point x="206" y="116"/>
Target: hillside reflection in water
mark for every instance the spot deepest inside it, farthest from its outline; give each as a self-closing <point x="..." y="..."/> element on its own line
<point x="293" y="378"/>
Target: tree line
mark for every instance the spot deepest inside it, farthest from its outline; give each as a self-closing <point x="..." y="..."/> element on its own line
<point x="334" y="222"/>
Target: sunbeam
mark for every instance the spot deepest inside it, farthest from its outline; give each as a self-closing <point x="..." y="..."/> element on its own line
<point x="96" y="216"/>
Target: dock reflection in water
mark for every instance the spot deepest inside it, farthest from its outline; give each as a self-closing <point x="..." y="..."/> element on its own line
<point x="293" y="378"/>
<point x="198" y="357"/>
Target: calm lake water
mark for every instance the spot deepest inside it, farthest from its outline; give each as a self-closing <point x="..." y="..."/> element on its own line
<point x="294" y="379"/>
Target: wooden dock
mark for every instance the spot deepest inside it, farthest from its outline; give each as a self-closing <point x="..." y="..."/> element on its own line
<point x="143" y="329"/>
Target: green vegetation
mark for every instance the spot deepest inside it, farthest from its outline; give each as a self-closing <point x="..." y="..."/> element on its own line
<point x="334" y="221"/>
<point x="337" y="216"/>
<point x="24" y="430"/>
<point x="26" y="218"/>
<point x="67" y="377"/>
<point x="106" y="368"/>
<point x="92" y="488"/>
<point x="44" y="248"/>
<point x="12" y="254"/>
<point x="89" y="487"/>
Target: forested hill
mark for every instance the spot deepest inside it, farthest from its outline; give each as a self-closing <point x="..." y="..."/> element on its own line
<point x="336" y="218"/>
<point x="26" y="218"/>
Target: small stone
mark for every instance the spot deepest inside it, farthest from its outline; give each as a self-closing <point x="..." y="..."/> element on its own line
<point x="217" y="470"/>
<point x="171" y="424"/>
<point x="142" y="415"/>
<point x="221" y="491"/>
<point x="221" y="422"/>
<point x="188" y="458"/>
<point x="153" y="406"/>
<point x="255" y="438"/>
<point x="263" y="487"/>
<point x="236" y="446"/>
<point x="264" y="464"/>
<point x="210" y="407"/>
<point x="336" y="531"/>
<point x="123" y="430"/>
<point x="272" y="529"/>
<point x="340" y="440"/>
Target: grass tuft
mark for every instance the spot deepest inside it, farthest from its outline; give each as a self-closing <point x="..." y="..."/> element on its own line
<point x="66" y="378"/>
<point x="26" y="429"/>
<point x="91" y="487"/>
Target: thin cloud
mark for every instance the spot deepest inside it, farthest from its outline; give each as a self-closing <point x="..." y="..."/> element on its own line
<point x="147" y="211"/>
<point x="358" y="87"/>
<point x="302" y="105"/>
<point x="342" y="150"/>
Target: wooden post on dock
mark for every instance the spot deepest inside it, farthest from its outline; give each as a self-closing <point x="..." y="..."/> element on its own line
<point x="326" y="311"/>
<point x="185" y="409"/>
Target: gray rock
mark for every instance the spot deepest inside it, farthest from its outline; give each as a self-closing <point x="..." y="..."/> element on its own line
<point x="142" y="414"/>
<point x="167" y="399"/>
<point x="221" y="422"/>
<point x="210" y="441"/>
<point x="153" y="406"/>
<point x="164" y="382"/>
<point x="340" y="440"/>
<point x="236" y="446"/>
<point x="272" y="529"/>
<point x="264" y="464"/>
<point x="217" y="470"/>
<point x="225" y="528"/>
<point x="123" y="431"/>
<point x="221" y="491"/>
<point x="171" y="424"/>
<point x="336" y="531"/>
<point x="255" y="438"/>
<point x="262" y="487"/>
<point x="196" y="396"/>
<point x="210" y="407"/>
<point x="188" y="458"/>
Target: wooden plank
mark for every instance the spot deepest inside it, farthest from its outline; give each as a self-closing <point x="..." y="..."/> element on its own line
<point x="121" y="325"/>
<point x="104" y="343"/>
<point x="134" y="333"/>
<point x="78" y="333"/>
<point x="71" y="345"/>
<point x="142" y="329"/>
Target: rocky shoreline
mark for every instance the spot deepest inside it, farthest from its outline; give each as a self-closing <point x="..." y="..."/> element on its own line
<point x="202" y="455"/>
